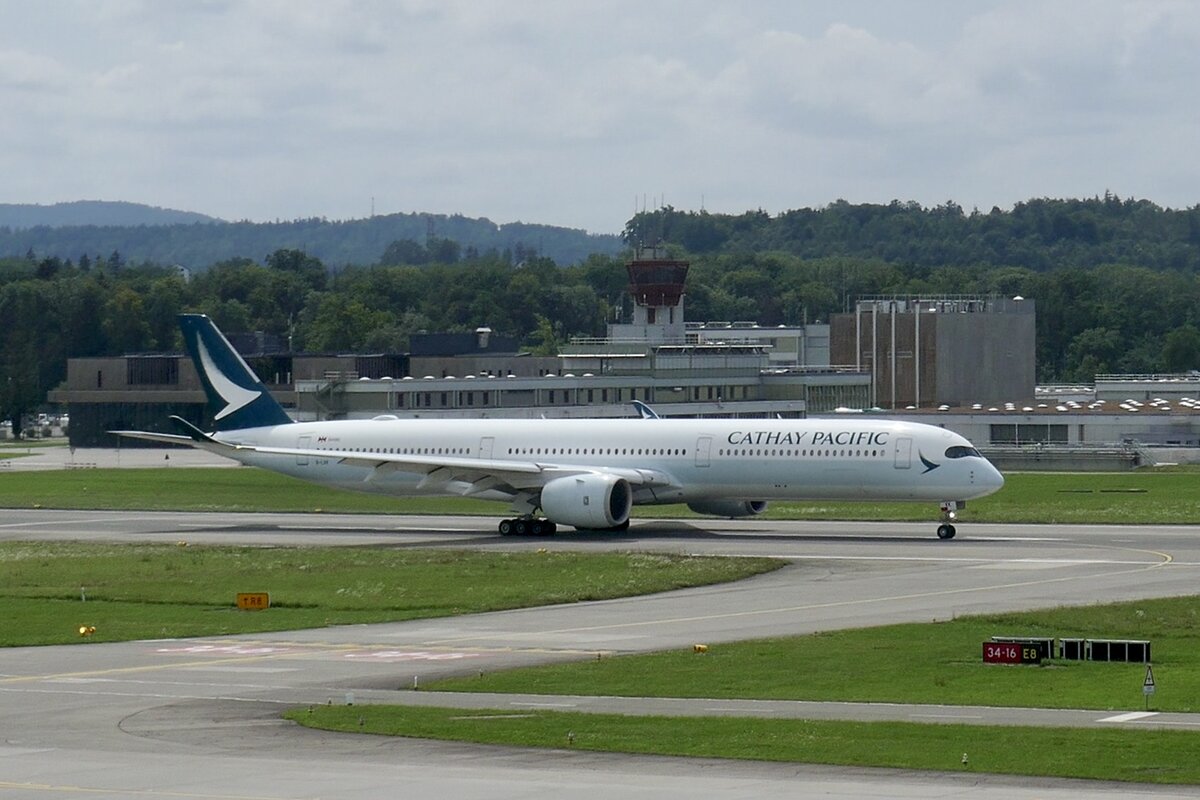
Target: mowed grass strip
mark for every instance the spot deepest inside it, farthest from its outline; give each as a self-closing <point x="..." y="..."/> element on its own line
<point x="1166" y="496"/>
<point x="48" y="590"/>
<point x="30" y="444"/>
<point x="205" y="489"/>
<point x="1104" y="754"/>
<point x="930" y="663"/>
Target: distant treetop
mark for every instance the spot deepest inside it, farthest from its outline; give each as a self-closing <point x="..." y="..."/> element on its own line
<point x="94" y="212"/>
<point x="1039" y="234"/>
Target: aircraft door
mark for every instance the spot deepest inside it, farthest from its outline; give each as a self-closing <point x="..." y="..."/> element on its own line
<point x="903" y="452"/>
<point x="303" y="443"/>
<point x="486" y="444"/>
<point x="703" y="451"/>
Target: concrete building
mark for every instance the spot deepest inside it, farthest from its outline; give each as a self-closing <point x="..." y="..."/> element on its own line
<point x="1147" y="387"/>
<point x="482" y="353"/>
<point x="786" y="346"/>
<point x="729" y="369"/>
<point x="926" y="351"/>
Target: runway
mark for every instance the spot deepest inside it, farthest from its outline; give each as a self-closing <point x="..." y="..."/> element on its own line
<point x="200" y="718"/>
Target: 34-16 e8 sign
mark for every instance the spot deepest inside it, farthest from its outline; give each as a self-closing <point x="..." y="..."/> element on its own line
<point x="1010" y="653"/>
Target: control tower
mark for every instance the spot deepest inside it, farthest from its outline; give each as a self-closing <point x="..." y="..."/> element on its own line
<point x="656" y="286"/>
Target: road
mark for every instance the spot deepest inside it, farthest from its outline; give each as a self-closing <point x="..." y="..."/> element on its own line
<point x="200" y="718"/>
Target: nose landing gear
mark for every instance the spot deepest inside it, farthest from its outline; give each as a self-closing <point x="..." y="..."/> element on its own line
<point x="946" y="529"/>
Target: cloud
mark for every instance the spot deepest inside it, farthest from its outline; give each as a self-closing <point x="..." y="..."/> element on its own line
<point x="563" y="112"/>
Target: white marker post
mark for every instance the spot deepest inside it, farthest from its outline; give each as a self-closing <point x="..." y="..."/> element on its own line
<point x="1148" y="685"/>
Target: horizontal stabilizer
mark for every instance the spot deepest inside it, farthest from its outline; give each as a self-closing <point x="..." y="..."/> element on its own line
<point x="194" y="438"/>
<point x="164" y="438"/>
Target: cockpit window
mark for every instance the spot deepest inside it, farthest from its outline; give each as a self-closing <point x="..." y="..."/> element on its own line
<point x="961" y="451"/>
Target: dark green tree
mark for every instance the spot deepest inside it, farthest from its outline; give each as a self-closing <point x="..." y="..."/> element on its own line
<point x="1181" y="349"/>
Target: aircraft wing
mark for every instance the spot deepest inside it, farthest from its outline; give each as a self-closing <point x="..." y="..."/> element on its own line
<point x="472" y="475"/>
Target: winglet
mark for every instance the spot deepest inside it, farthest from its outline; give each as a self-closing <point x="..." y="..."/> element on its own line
<point x="236" y="397"/>
<point x="645" y="411"/>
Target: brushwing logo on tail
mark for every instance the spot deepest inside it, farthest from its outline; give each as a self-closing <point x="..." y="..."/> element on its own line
<point x="235" y="397"/>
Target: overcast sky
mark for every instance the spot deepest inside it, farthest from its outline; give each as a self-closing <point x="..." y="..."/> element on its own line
<point x="571" y="112"/>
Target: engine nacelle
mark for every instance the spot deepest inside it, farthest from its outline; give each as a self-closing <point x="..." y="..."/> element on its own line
<point x="729" y="508"/>
<point x="588" y="501"/>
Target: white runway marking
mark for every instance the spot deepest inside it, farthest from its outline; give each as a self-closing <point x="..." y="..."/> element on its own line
<point x="1130" y="717"/>
<point x="407" y="655"/>
<point x="61" y="521"/>
<point x="985" y="562"/>
<point x="252" y="670"/>
<point x="948" y="716"/>
<point x="229" y="650"/>
<point x="369" y="529"/>
<point x="1048" y="563"/>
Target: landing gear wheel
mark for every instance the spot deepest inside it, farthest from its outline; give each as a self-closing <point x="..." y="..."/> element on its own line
<point x="527" y="527"/>
<point x="946" y="531"/>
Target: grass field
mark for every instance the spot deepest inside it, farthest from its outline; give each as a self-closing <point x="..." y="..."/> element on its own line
<point x="939" y="663"/>
<point x="1119" y="755"/>
<point x="24" y="445"/>
<point x="926" y="663"/>
<point x="1167" y="496"/>
<point x="49" y="589"/>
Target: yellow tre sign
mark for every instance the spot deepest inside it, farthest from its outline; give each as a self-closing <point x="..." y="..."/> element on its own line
<point x="253" y="601"/>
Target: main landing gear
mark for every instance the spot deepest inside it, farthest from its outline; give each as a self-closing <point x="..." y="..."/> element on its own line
<point x="946" y="529"/>
<point x="527" y="527"/>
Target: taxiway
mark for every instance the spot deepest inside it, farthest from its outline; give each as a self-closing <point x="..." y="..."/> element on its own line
<point x="200" y="718"/>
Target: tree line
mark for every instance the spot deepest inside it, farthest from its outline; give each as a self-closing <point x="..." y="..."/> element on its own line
<point x="1039" y="234"/>
<point x="52" y="310"/>
<point x="336" y="242"/>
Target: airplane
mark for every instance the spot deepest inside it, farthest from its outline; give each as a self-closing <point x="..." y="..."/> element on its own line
<point x="585" y="473"/>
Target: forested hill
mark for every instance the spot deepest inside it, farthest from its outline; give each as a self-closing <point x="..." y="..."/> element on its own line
<point x="336" y="244"/>
<point x="93" y="212"/>
<point x="1038" y="234"/>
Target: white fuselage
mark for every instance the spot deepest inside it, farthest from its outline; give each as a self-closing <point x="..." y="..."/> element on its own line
<point x="704" y="459"/>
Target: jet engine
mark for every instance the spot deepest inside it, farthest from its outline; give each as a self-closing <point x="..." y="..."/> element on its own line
<point x="594" y="501"/>
<point x="729" y="508"/>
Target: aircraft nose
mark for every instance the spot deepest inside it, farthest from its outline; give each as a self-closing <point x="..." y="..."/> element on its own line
<point x="991" y="478"/>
